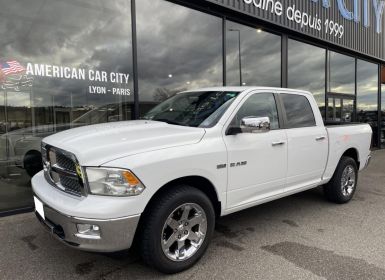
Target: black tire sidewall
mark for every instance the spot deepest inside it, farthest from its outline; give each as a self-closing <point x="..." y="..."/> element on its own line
<point x="156" y="218"/>
<point x="334" y="189"/>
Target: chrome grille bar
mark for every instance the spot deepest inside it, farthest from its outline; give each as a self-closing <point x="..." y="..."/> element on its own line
<point x="60" y="168"/>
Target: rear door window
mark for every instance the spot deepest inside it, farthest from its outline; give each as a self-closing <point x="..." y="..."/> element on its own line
<point x="298" y="111"/>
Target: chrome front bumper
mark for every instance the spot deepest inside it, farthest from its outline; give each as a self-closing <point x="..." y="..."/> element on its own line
<point x="115" y="234"/>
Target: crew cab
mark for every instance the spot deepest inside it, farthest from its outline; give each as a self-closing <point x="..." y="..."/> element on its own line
<point x="161" y="182"/>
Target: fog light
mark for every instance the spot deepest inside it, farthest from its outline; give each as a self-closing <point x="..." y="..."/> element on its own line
<point x="88" y="231"/>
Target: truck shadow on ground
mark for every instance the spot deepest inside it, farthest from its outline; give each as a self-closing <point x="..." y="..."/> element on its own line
<point x="232" y="230"/>
<point x="272" y="228"/>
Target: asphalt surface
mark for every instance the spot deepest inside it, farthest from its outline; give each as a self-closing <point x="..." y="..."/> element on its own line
<point x="299" y="237"/>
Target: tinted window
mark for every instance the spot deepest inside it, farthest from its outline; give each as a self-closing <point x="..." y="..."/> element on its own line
<point x="62" y="64"/>
<point x="382" y="119"/>
<point x="341" y="73"/>
<point x="178" y="49"/>
<point x="367" y="96"/>
<point x="298" y="111"/>
<point x="258" y="105"/>
<point x="306" y="70"/>
<point x="253" y="56"/>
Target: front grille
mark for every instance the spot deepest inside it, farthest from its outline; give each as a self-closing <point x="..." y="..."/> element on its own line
<point x="65" y="162"/>
<point x="61" y="169"/>
<point x="72" y="185"/>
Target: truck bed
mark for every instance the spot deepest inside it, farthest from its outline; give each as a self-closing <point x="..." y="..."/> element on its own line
<point x="355" y="136"/>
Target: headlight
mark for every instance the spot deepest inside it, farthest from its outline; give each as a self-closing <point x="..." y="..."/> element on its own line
<point x="113" y="182"/>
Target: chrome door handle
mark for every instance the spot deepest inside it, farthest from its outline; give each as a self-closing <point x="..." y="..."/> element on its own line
<point x="278" y="143"/>
<point x="321" y="138"/>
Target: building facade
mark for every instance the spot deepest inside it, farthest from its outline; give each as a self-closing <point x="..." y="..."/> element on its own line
<point x="65" y="64"/>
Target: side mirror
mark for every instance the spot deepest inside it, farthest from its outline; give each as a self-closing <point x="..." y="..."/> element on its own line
<point x="255" y="125"/>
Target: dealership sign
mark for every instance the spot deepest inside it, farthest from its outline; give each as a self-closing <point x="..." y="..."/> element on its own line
<point x="351" y="24"/>
<point x="14" y="76"/>
<point x="312" y="21"/>
<point x="92" y="75"/>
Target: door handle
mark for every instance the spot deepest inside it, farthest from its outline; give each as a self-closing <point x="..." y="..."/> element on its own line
<point x="278" y="143"/>
<point x="321" y="138"/>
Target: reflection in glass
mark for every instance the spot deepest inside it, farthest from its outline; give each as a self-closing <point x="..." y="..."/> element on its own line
<point x="347" y="110"/>
<point x="178" y="49"/>
<point x="341" y="73"/>
<point x="383" y="116"/>
<point x="367" y="95"/>
<point x="39" y="99"/>
<point x="334" y="109"/>
<point x="195" y="109"/>
<point x="253" y="56"/>
<point x="306" y="70"/>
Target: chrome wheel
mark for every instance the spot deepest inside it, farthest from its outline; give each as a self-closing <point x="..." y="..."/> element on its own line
<point x="348" y="180"/>
<point x="184" y="232"/>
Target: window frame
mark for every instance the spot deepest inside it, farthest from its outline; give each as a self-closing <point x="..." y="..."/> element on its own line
<point x="285" y="119"/>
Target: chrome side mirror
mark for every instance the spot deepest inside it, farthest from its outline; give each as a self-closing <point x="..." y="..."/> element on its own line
<point x="255" y="125"/>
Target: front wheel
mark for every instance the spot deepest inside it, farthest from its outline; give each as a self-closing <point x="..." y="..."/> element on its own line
<point x="343" y="184"/>
<point x="177" y="229"/>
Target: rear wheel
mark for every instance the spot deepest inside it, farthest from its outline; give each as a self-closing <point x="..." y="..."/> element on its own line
<point x="177" y="229"/>
<point x="343" y="184"/>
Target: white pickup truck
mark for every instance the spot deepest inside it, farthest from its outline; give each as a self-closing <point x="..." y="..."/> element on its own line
<point x="162" y="181"/>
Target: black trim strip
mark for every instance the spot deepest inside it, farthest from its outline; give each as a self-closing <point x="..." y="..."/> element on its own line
<point x="135" y="60"/>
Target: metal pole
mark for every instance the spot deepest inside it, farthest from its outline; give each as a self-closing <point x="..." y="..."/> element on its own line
<point x="240" y="58"/>
<point x="224" y="51"/>
<point x="135" y="60"/>
<point x="239" y="54"/>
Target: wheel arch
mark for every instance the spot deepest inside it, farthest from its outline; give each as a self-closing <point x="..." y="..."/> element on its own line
<point x="199" y="182"/>
<point x="354" y="154"/>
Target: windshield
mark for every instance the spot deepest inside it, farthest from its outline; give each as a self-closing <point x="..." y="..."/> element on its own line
<point x="196" y="109"/>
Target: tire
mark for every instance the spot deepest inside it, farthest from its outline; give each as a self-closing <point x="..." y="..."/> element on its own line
<point x="33" y="163"/>
<point x="343" y="184"/>
<point x="170" y="207"/>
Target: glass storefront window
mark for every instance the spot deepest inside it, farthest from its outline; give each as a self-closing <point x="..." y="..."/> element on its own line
<point x="306" y="70"/>
<point x="341" y="73"/>
<point x="382" y="116"/>
<point x="253" y="56"/>
<point x="367" y="96"/>
<point x="340" y="97"/>
<point x="63" y="64"/>
<point x="382" y="119"/>
<point x="347" y="110"/>
<point x="178" y="49"/>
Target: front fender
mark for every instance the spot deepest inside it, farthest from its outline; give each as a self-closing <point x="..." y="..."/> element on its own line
<point x="157" y="168"/>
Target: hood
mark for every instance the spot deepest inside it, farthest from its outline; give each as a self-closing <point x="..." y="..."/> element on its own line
<point x="95" y="145"/>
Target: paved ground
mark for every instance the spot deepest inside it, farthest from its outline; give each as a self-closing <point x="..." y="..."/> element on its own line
<point x="299" y="237"/>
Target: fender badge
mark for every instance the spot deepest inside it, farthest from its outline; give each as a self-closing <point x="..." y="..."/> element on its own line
<point x="221" y="166"/>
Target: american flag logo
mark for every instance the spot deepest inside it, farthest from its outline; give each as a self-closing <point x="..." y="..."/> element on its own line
<point x="13" y="76"/>
<point x="11" y="67"/>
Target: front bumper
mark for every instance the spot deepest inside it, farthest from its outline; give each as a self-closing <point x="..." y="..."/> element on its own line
<point x="115" y="234"/>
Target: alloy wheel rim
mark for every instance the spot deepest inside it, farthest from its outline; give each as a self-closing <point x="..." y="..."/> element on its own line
<point x="348" y="180"/>
<point x="184" y="232"/>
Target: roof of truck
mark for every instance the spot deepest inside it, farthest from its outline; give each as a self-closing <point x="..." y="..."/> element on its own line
<point x="241" y="89"/>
